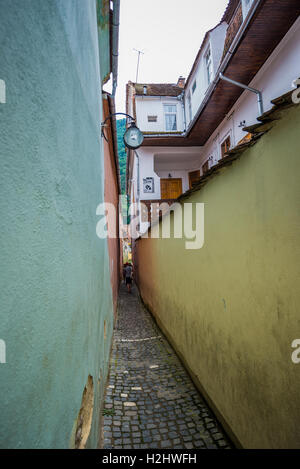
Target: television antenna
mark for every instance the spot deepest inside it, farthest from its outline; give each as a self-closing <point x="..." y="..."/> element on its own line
<point x="138" y="62"/>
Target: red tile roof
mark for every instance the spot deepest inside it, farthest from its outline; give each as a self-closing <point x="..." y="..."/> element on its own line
<point x="231" y="7"/>
<point x="157" y="89"/>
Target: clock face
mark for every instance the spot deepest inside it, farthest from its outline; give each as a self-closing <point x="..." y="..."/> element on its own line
<point x="133" y="137"/>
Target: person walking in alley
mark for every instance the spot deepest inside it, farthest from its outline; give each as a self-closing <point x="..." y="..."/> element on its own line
<point x="124" y="272"/>
<point x="128" y="277"/>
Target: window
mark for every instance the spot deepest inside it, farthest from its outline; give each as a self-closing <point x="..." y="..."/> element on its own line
<point x="189" y="99"/>
<point x="205" y="167"/>
<point x="194" y="86"/>
<point x="246" y="4"/>
<point x="208" y="65"/>
<point x="194" y="177"/>
<point x="225" y="146"/>
<point x="152" y="118"/>
<point x="170" y="117"/>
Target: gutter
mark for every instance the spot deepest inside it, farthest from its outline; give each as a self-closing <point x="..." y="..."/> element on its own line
<point x="115" y="44"/>
<point x="138" y="175"/>
<point x="163" y="135"/>
<point x="128" y="181"/>
<point x="112" y="108"/>
<point x="181" y="99"/>
<point x="245" y="87"/>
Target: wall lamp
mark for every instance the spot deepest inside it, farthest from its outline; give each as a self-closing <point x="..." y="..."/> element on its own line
<point x="133" y="137"/>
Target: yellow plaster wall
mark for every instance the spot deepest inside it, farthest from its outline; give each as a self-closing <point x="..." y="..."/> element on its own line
<point x="231" y="309"/>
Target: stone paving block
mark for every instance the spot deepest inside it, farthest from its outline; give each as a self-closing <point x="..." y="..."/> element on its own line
<point x="221" y="443"/>
<point x="153" y="402"/>
<point x="166" y="444"/>
<point x="188" y="445"/>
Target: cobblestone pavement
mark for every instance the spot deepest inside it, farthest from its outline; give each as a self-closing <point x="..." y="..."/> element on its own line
<point x="151" y="401"/>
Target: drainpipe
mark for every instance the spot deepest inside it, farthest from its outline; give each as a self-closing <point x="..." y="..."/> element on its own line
<point x="138" y="186"/>
<point x="138" y="176"/>
<point x="253" y="90"/>
<point x="181" y="99"/>
<point x="115" y="44"/>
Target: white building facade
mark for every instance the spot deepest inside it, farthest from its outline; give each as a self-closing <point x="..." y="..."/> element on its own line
<point x="163" y="168"/>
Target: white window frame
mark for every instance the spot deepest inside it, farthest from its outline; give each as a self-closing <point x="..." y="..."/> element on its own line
<point x="209" y="71"/>
<point x="228" y="134"/>
<point x="204" y="162"/>
<point x="246" y="5"/>
<point x="189" y="101"/>
<point x="216" y="149"/>
<point x="170" y="114"/>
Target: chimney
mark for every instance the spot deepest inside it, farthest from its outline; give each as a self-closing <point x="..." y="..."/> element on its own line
<point x="181" y="82"/>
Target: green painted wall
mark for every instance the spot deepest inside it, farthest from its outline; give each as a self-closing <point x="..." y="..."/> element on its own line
<point x="103" y="20"/>
<point x="232" y="308"/>
<point x="55" y="285"/>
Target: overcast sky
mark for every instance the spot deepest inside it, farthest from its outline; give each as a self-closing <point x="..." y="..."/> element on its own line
<point x="169" y="32"/>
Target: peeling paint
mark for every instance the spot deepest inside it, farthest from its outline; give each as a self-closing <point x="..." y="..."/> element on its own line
<point x="84" y="420"/>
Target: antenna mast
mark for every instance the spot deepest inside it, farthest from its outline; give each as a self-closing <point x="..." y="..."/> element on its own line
<point x="138" y="63"/>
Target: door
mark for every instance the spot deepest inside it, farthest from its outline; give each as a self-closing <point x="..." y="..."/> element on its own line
<point x="225" y="146"/>
<point x="170" y="188"/>
<point x="194" y="177"/>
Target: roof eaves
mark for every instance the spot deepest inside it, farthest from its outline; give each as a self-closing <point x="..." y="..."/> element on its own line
<point x="197" y="57"/>
<point x="157" y="89"/>
<point x="267" y="120"/>
<point x="281" y="104"/>
<point x="155" y="96"/>
<point x="230" y="9"/>
<point x="163" y="134"/>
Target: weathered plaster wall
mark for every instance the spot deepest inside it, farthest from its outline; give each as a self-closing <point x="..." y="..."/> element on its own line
<point x="232" y="308"/>
<point x="111" y="196"/>
<point x="55" y="281"/>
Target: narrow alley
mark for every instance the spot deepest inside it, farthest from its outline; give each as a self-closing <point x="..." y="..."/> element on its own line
<point x="154" y="142"/>
<point x="151" y="401"/>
